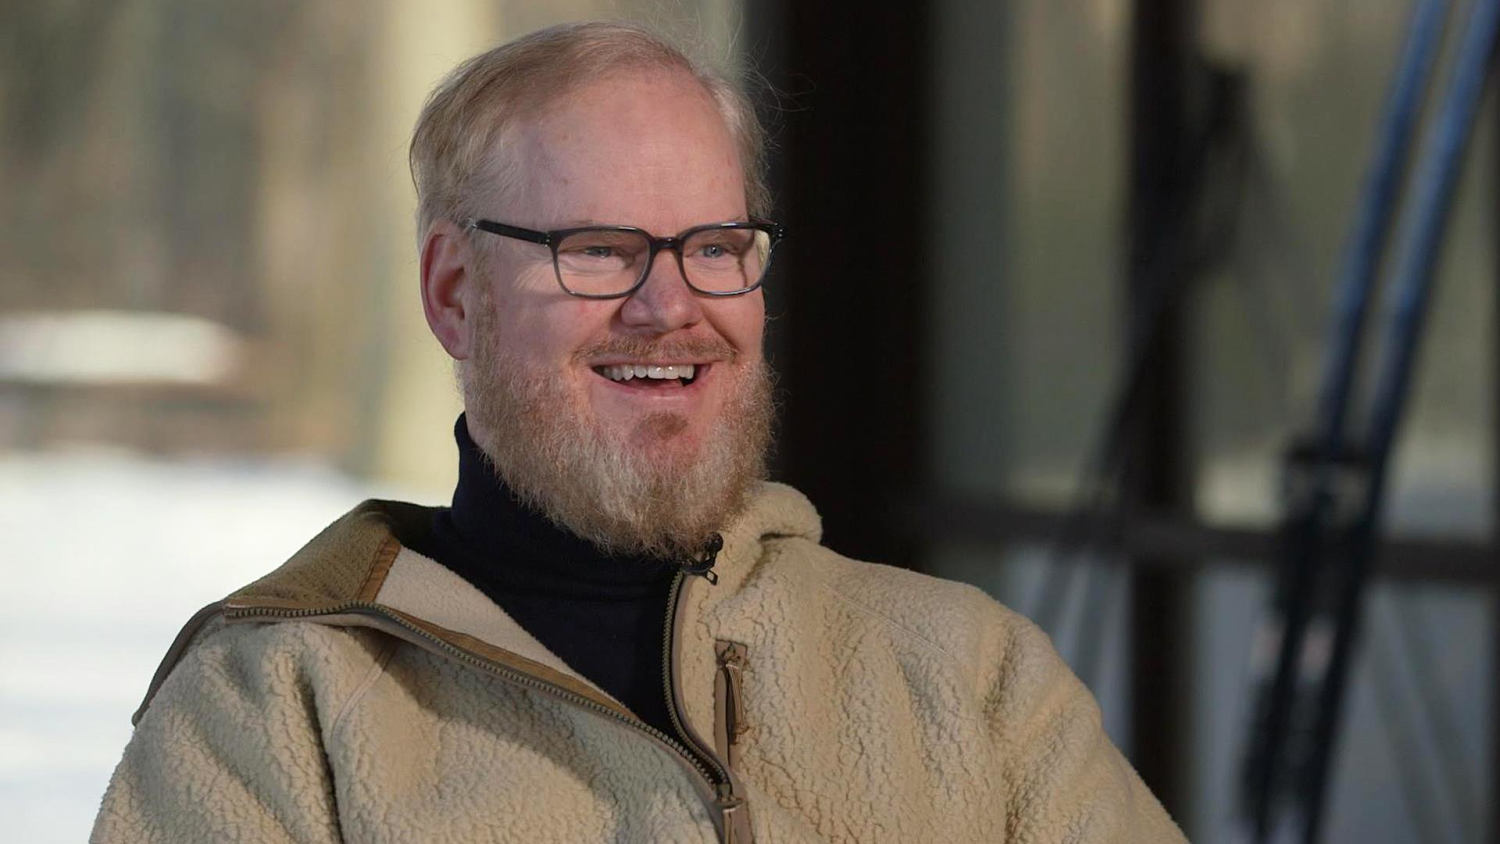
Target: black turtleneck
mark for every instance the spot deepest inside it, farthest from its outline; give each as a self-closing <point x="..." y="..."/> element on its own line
<point x="603" y="615"/>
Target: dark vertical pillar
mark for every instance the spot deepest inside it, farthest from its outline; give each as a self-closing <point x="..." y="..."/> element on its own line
<point x="1494" y="811"/>
<point x="1159" y="476"/>
<point x="846" y="303"/>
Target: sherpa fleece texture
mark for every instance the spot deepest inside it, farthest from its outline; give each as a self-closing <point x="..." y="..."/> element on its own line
<point x="881" y="705"/>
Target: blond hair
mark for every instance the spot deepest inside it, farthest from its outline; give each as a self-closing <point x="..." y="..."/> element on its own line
<point x="463" y="136"/>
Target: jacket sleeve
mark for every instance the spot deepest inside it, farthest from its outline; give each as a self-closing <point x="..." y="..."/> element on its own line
<point x="231" y="749"/>
<point x="1063" y="779"/>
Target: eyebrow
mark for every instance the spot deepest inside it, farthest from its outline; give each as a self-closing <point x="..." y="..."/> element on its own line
<point x="579" y="222"/>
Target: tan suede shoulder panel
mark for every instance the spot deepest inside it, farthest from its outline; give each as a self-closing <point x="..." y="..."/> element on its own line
<point x="347" y="561"/>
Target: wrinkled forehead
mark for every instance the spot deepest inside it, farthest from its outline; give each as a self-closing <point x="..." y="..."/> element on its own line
<point x="647" y="142"/>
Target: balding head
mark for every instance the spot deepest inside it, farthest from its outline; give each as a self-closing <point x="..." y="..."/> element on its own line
<point x="463" y="147"/>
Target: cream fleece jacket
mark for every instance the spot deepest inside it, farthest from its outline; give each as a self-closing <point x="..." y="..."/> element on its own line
<point x="363" y="692"/>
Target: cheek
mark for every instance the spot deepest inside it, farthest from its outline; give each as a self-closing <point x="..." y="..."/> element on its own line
<point x="549" y="331"/>
<point x="742" y="322"/>
<point x="532" y="317"/>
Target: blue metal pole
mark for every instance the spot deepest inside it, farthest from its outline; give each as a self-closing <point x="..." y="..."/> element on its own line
<point x="1310" y="512"/>
<point x="1360" y="265"/>
<point x="1413" y="282"/>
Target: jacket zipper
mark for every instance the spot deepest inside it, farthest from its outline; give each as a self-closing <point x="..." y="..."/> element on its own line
<point x="729" y="807"/>
<point x="734" y="812"/>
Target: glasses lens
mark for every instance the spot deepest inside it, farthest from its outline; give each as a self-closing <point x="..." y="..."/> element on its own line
<point x="601" y="262"/>
<point x="727" y="259"/>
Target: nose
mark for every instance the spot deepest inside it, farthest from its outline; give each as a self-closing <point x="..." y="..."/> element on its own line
<point x="664" y="302"/>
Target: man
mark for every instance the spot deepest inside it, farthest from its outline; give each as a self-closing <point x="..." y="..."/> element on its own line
<point x="617" y="631"/>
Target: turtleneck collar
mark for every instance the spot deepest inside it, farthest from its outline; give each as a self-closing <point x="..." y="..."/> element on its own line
<point x="516" y="547"/>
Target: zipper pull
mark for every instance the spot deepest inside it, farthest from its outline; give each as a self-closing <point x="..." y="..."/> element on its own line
<point x="703" y="565"/>
<point x="734" y="817"/>
<point x="729" y="699"/>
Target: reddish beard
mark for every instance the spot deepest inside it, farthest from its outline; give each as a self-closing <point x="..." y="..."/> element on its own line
<point x="646" y="490"/>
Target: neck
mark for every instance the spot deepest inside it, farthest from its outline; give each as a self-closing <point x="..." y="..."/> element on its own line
<point x="490" y="519"/>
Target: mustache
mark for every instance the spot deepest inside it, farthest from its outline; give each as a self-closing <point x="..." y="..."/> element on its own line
<point x="646" y="348"/>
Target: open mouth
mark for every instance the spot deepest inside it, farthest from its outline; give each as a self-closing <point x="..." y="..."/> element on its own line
<point x="649" y="375"/>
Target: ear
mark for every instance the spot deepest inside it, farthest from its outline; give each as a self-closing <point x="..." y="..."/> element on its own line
<point x="448" y="278"/>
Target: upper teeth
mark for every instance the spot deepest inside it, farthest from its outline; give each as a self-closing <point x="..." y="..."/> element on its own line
<point x="627" y="371"/>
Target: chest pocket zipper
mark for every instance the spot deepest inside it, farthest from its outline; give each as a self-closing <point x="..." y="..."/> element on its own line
<point x="729" y="701"/>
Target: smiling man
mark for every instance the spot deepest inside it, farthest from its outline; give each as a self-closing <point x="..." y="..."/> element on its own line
<point x="618" y="631"/>
<point x="634" y="410"/>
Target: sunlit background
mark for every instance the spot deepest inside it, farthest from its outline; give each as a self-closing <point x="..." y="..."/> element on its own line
<point x="211" y="343"/>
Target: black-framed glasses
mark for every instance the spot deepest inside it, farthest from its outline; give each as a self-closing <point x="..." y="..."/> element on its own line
<point x="608" y="262"/>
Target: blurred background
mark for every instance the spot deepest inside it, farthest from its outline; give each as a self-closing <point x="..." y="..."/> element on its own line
<point x="211" y="344"/>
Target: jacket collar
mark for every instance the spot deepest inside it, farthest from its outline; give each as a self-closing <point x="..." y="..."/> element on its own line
<point x="351" y="559"/>
<point x="357" y="572"/>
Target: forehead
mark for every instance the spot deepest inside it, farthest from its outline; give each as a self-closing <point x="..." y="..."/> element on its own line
<point x="647" y="147"/>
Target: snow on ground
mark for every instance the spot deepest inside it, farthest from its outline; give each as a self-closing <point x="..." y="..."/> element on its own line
<point x="105" y="555"/>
